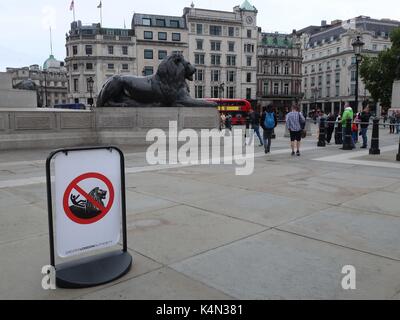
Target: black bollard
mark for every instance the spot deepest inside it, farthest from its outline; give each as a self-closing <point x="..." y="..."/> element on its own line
<point x="322" y="133"/>
<point x="338" y="133"/>
<point x="375" y="138"/>
<point x="347" y="139"/>
<point x="398" y="154"/>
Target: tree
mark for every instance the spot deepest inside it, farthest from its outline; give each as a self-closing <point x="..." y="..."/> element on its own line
<point x="378" y="73"/>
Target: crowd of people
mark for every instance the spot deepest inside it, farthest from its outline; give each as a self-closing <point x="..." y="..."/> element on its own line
<point x="295" y="123"/>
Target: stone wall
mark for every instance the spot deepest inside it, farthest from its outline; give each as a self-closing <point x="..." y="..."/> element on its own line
<point x="51" y="128"/>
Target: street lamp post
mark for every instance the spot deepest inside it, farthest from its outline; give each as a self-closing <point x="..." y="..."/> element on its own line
<point x="357" y="45"/>
<point x="90" y="82"/>
<point x="45" y="88"/>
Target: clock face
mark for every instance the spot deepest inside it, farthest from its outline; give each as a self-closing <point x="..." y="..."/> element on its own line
<point x="249" y="20"/>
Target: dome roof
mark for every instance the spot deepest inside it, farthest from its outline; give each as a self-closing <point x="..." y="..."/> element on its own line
<point x="247" y="6"/>
<point x="51" y="62"/>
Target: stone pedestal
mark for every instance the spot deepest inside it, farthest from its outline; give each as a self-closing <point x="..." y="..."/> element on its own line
<point x="396" y="95"/>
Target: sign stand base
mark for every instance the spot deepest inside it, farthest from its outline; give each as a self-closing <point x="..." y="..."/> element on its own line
<point x="93" y="271"/>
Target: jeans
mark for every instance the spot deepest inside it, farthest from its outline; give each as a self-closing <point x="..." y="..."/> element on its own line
<point x="267" y="134"/>
<point x="257" y="132"/>
<point x="364" y="136"/>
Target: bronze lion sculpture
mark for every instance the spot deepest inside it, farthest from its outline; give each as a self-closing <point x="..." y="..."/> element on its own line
<point x="166" y="88"/>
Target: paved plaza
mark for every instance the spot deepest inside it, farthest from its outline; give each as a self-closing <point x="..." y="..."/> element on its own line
<point x="201" y="232"/>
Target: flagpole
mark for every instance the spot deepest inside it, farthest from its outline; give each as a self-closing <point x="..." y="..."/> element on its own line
<point x="101" y="13"/>
<point x="74" y="12"/>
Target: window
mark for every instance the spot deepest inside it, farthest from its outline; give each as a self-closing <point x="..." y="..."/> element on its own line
<point x="148" y="34"/>
<point x="199" y="44"/>
<point x="230" y="92"/>
<point x="328" y="92"/>
<point x="174" y="24"/>
<point x="230" y="76"/>
<point x="286" y="68"/>
<point x="305" y="82"/>
<point x="198" y="58"/>
<point x="110" y="66"/>
<point x="248" y="61"/>
<point x="231" y="46"/>
<point x="215" y="92"/>
<point x="305" y="70"/>
<point x="215" y="46"/>
<point x="248" y="33"/>
<point x="328" y="65"/>
<point x="176" y="37"/>
<point x="146" y="21"/>
<point x="199" y="75"/>
<point x="337" y="77"/>
<point x="110" y="50"/>
<point x="199" y="28"/>
<point x="312" y="68"/>
<point x="312" y="81"/>
<point x="215" y="75"/>
<point x="125" y="50"/>
<point x="319" y="81"/>
<point x="353" y="75"/>
<point x="75" y="66"/>
<point x="320" y="67"/>
<point x="249" y="48"/>
<point x="337" y="91"/>
<point x="337" y="63"/>
<point x="276" y="88"/>
<point x="352" y="89"/>
<point x="89" y="50"/>
<point x="248" y="93"/>
<point x="162" y="36"/>
<point x="160" y="22"/>
<point x="148" y="54"/>
<point x="148" y="71"/>
<point x="248" y="77"/>
<point x="162" y="54"/>
<point x="230" y="60"/>
<point x="199" y="92"/>
<point x="286" y="89"/>
<point x="75" y="50"/>
<point x="328" y="79"/>
<point x="125" y="66"/>
<point x="337" y="49"/>
<point x="353" y="60"/>
<point x="76" y="85"/>
<point x="89" y="66"/>
<point x="215" y="30"/>
<point x="276" y="69"/>
<point x="266" y="87"/>
<point x="215" y="59"/>
<point x="231" y="31"/>
<point x="374" y="47"/>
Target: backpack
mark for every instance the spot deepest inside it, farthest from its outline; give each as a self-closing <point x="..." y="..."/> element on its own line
<point x="269" y="121"/>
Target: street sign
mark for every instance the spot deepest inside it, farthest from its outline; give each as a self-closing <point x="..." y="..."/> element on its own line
<point x="89" y="188"/>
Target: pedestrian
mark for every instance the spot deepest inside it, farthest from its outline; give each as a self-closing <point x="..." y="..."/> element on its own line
<point x="330" y="127"/>
<point x="228" y="122"/>
<point x="347" y="114"/>
<point x="268" y="122"/>
<point x="255" y="125"/>
<point x="364" y="119"/>
<point x="222" y="121"/>
<point x="398" y="122"/>
<point x="385" y="118"/>
<point x="392" y="122"/>
<point x="295" y="123"/>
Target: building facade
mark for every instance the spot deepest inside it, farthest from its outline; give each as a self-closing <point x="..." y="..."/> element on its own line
<point x="157" y="37"/>
<point x="279" y="60"/>
<point x="51" y="81"/>
<point x="223" y="46"/>
<point x="97" y="53"/>
<point x="329" y="66"/>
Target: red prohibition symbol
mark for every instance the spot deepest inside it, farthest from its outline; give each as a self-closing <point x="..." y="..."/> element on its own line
<point x="92" y="208"/>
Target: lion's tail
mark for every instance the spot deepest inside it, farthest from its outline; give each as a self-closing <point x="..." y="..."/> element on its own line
<point x="109" y="89"/>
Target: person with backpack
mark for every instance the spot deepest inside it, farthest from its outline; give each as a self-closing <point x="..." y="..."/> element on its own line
<point x="295" y="123"/>
<point x="268" y="122"/>
<point x="255" y="125"/>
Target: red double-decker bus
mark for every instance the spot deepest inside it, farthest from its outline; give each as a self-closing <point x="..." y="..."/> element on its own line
<point x="238" y="108"/>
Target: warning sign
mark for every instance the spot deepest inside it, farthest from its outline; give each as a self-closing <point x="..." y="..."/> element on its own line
<point x="87" y="200"/>
<point x="91" y="205"/>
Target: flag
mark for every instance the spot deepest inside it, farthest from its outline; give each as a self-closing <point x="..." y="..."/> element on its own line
<point x="72" y="6"/>
<point x="100" y="5"/>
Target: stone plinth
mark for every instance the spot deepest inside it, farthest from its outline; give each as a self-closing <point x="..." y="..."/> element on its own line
<point x="396" y="95"/>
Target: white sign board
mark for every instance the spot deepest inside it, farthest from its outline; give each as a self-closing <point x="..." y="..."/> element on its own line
<point x="88" y="200"/>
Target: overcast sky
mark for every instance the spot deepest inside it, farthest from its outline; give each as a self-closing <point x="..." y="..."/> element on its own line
<point x="24" y="37"/>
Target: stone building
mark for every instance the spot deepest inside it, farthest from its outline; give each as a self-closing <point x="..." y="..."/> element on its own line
<point x="223" y="46"/>
<point x="329" y="73"/>
<point x="156" y="37"/>
<point x="98" y="53"/>
<point x="50" y="81"/>
<point x="279" y="61"/>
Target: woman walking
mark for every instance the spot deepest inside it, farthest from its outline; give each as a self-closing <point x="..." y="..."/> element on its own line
<point x="295" y="123"/>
